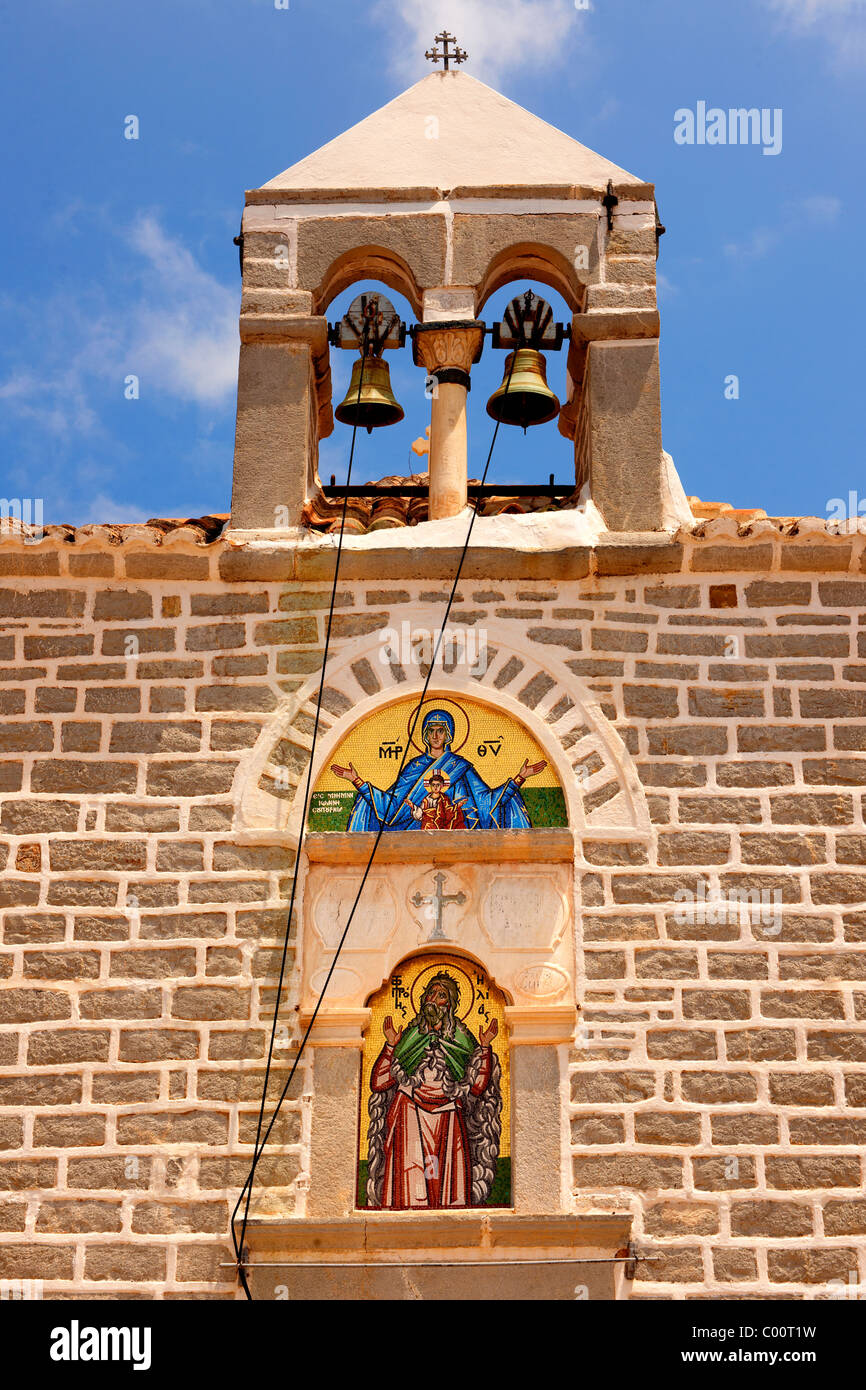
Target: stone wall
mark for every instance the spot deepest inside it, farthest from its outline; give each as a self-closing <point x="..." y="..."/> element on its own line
<point x="719" y="1077"/>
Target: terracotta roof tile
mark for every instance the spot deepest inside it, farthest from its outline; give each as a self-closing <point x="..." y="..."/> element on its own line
<point x="706" y="511"/>
<point x="375" y="513"/>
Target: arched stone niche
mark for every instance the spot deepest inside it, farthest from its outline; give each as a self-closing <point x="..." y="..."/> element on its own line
<point x="457" y="1154"/>
<point x="604" y="794"/>
<point x="520" y="890"/>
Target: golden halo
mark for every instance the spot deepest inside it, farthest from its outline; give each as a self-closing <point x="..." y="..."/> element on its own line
<point x="462" y="980"/>
<point x="439" y="702"/>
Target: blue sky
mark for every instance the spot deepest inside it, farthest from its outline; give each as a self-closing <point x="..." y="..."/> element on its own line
<point x="117" y="255"/>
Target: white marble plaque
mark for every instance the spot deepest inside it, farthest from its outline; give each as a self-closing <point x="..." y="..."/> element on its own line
<point x="523" y="911"/>
<point x="375" y="918"/>
<point x="541" y="981"/>
<point x="342" y="984"/>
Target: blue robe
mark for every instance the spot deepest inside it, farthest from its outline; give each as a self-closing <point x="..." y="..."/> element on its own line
<point x="484" y="808"/>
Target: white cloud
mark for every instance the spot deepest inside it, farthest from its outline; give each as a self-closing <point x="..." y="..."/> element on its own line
<point x="184" y="332"/>
<point x="168" y="322"/>
<point x="56" y="402"/>
<point x="840" y="23"/>
<point x="821" y="207"/>
<point x="102" y="509"/>
<point x="805" y="13"/>
<point x="151" y="311"/>
<point x="499" y="35"/>
<point x="816" y="210"/>
<point x="756" y="246"/>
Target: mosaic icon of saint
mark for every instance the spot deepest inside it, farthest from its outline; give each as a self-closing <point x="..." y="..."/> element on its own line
<point x="435" y="1109"/>
<point x="482" y="807"/>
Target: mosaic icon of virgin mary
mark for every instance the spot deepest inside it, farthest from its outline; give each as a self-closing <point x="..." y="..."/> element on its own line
<point x="482" y="807"/>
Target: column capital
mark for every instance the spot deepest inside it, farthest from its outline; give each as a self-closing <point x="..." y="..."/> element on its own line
<point x="534" y="1024"/>
<point x="337" y="1027"/>
<point x="448" y="350"/>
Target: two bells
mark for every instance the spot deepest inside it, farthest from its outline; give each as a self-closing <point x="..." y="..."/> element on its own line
<point x="524" y="397"/>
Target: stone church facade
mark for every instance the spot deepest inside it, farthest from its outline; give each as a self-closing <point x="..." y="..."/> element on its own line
<point x="682" y="959"/>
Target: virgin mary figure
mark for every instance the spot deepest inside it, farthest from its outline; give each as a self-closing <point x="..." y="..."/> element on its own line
<point x="484" y="807"/>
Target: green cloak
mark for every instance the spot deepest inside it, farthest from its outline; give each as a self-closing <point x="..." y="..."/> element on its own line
<point x="411" y="1048"/>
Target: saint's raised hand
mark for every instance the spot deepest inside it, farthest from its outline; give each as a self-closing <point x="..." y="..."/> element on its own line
<point x="530" y="770"/>
<point x="392" y="1034"/>
<point x="348" y="774"/>
<point x="486" y="1035"/>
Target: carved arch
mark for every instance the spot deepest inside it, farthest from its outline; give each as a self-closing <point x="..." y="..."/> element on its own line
<point x="604" y="795"/>
<point x="533" y="261"/>
<point x="367" y="263"/>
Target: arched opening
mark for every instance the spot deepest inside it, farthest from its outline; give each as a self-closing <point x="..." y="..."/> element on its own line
<point x="388" y="451"/>
<point x="367" y="263"/>
<point x="519" y="458"/>
<point x="531" y="261"/>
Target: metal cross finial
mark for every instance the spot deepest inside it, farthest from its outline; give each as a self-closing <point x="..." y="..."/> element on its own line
<point x="436" y="901"/>
<point x="458" y="56"/>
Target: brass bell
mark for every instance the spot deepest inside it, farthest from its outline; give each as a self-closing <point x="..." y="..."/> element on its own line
<point x="525" y="399"/>
<point x="369" y="403"/>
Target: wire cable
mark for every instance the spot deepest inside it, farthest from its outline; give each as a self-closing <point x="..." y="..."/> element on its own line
<point x="259" y="1149"/>
<point x="248" y="1185"/>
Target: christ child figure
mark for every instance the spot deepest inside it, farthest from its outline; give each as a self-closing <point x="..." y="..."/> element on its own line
<point x="437" y="811"/>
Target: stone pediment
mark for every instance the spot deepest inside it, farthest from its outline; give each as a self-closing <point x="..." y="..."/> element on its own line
<point x="483" y="143"/>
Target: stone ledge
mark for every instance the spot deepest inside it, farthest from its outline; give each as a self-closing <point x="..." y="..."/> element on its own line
<point x="281" y="563"/>
<point x="274" y="196"/>
<point x="469" y="1233"/>
<point x="157" y="549"/>
<point x="606" y="323"/>
<point x="286" y="328"/>
<point x="247" y="557"/>
<point x="441" y="847"/>
<point x="469" y="1255"/>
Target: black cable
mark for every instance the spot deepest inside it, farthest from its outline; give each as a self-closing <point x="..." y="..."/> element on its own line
<point x="259" y="1150"/>
<point x="248" y="1185"/>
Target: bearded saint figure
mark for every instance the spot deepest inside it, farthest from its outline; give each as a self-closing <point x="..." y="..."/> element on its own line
<point x="483" y="807"/>
<point x="435" y="1109"/>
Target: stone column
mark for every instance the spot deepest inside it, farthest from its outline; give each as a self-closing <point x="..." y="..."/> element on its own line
<point x="447" y="351"/>
<point x="284" y="409"/>
<point x="336" y="1042"/>
<point x="539" y="1037"/>
<point x="615" y="416"/>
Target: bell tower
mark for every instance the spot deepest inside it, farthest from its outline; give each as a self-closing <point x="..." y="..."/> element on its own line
<point x="447" y="194"/>
<point x="438" y="807"/>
